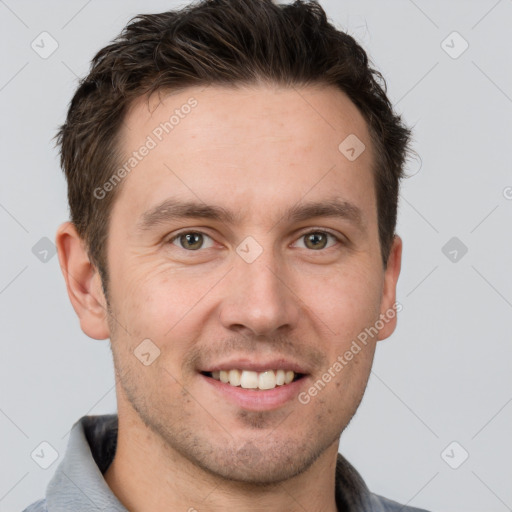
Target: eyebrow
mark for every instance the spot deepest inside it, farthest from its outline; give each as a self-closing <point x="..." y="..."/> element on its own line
<point x="173" y="209"/>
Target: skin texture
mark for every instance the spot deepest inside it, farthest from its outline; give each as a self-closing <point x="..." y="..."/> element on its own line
<point x="257" y="152"/>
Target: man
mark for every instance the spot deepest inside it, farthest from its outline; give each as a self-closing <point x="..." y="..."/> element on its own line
<point x="233" y="172"/>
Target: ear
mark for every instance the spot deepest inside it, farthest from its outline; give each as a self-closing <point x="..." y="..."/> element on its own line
<point x="388" y="308"/>
<point x="82" y="282"/>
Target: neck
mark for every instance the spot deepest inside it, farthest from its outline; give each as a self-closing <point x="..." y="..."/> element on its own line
<point x="147" y="475"/>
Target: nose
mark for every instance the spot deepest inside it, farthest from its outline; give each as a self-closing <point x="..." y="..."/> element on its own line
<point x="260" y="300"/>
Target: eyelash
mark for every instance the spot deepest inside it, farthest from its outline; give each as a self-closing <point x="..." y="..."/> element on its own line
<point x="314" y="231"/>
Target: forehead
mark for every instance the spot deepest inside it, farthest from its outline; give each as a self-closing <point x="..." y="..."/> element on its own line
<point x="309" y="112"/>
<point x="252" y="149"/>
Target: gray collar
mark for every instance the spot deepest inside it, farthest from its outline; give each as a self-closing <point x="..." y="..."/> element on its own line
<point x="78" y="482"/>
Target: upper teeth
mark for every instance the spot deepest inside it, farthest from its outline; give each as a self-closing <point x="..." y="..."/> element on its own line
<point x="268" y="379"/>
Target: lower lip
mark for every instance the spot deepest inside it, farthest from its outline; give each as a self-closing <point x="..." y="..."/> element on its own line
<point x="254" y="399"/>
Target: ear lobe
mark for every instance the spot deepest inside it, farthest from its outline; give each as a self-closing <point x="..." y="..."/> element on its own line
<point x="83" y="282"/>
<point x="388" y="309"/>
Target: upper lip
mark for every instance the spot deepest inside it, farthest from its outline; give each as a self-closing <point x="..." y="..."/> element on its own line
<point x="257" y="366"/>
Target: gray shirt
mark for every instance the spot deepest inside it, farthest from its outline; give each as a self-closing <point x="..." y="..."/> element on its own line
<point x="78" y="484"/>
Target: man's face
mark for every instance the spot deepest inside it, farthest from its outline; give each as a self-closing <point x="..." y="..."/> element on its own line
<point x="262" y="290"/>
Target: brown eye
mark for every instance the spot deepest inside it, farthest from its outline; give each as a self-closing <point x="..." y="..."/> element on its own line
<point x="317" y="240"/>
<point x="190" y="240"/>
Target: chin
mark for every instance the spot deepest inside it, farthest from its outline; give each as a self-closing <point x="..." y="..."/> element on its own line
<point x="257" y="463"/>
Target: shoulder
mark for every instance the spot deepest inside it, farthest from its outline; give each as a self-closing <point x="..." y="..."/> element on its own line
<point x="381" y="504"/>
<point x="38" y="506"/>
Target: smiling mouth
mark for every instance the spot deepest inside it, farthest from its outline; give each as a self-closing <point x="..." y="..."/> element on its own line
<point x="246" y="379"/>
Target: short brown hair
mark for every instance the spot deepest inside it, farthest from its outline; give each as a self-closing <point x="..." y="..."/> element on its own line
<point x="221" y="42"/>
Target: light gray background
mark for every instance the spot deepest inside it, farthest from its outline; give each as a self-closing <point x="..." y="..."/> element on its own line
<point x="445" y="375"/>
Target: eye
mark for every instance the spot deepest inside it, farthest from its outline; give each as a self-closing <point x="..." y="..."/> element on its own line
<point x="318" y="240"/>
<point x="190" y="240"/>
<point x="195" y="240"/>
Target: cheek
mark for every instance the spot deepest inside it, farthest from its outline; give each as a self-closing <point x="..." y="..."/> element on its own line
<point x="140" y="303"/>
<point x="162" y="304"/>
<point x="346" y="301"/>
